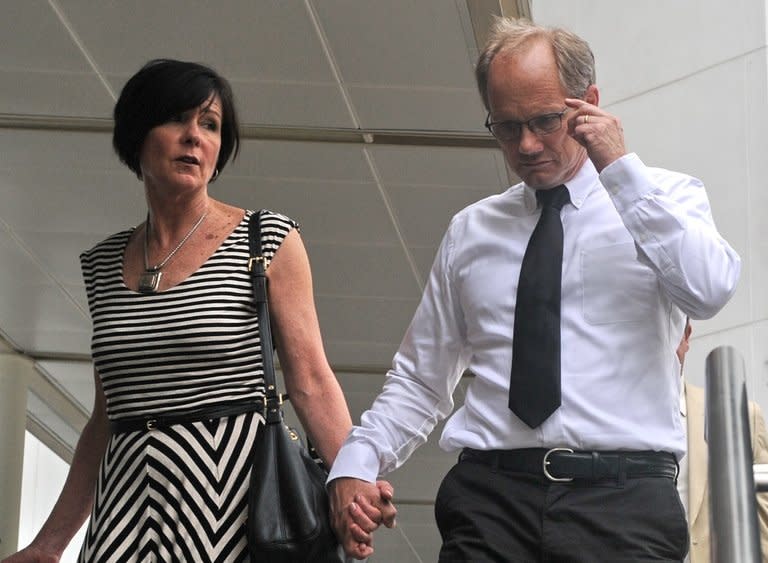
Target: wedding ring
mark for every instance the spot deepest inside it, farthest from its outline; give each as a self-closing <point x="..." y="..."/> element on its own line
<point x="586" y="119"/>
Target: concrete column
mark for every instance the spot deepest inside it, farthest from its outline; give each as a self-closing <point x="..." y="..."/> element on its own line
<point x="15" y="371"/>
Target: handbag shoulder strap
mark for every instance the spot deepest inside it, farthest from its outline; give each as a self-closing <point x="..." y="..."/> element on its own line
<point x="257" y="265"/>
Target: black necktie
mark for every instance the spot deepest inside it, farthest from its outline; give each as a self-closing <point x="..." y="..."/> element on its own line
<point x="534" y="390"/>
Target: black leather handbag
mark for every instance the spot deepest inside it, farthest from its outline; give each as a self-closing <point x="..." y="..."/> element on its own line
<point x="288" y="515"/>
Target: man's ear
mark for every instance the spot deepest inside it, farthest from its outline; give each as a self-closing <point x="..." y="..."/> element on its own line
<point x="592" y="95"/>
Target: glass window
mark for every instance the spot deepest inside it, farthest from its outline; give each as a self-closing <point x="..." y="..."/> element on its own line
<point x="43" y="477"/>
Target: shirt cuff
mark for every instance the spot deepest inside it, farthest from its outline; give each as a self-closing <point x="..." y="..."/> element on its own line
<point x="627" y="180"/>
<point x="356" y="460"/>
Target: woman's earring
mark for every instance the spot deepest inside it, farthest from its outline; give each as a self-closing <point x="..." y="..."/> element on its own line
<point x="215" y="175"/>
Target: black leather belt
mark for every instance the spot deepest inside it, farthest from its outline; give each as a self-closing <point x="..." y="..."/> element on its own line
<point x="564" y="464"/>
<point x="164" y="420"/>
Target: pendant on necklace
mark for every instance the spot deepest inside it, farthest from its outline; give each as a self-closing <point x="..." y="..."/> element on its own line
<point x="149" y="281"/>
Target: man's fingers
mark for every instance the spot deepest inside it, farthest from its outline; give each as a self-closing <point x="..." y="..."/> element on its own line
<point x="366" y="519"/>
<point x="357" y="550"/>
<point x="355" y="515"/>
<point x="360" y="551"/>
<point x="386" y="508"/>
<point x="383" y="512"/>
<point x="356" y="541"/>
<point x="386" y="490"/>
<point x="388" y="514"/>
<point x="360" y="534"/>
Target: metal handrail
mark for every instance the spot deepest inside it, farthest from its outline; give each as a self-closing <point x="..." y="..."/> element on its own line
<point x="760" y="471"/>
<point x="733" y="507"/>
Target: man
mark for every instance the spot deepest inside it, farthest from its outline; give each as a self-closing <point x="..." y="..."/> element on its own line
<point x="588" y="476"/>
<point x="693" y="483"/>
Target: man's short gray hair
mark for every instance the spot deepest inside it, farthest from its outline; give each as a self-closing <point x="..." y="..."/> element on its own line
<point x="573" y="57"/>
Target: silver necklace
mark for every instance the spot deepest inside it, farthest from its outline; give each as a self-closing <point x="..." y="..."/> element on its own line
<point x="149" y="280"/>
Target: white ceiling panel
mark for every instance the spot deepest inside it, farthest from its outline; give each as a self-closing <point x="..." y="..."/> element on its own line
<point x="42" y="413"/>
<point x="36" y="313"/>
<point x="67" y="201"/>
<point x="440" y="166"/>
<point x="410" y="67"/>
<point x="75" y="378"/>
<point x="363" y="332"/>
<point x="294" y="159"/>
<point x="363" y="271"/>
<point x="385" y="320"/>
<point x="428" y="109"/>
<point x="18" y="275"/>
<point x="62" y="151"/>
<point x="44" y="320"/>
<point x="426" y="211"/>
<point x="53" y="93"/>
<point x="270" y="51"/>
<point x="76" y="292"/>
<point x="291" y="104"/>
<point x="58" y="253"/>
<point x="329" y="212"/>
<point x="34" y="39"/>
<point x="60" y="322"/>
<point x="42" y="69"/>
<point x="397" y="43"/>
<point x="269" y="40"/>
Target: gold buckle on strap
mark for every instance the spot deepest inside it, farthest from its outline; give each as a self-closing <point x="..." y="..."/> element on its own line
<point x="545" y="463"/>
<point x="261" y="259"/>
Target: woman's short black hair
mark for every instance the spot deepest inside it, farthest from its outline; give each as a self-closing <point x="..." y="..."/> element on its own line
<point x="164" y="88"/>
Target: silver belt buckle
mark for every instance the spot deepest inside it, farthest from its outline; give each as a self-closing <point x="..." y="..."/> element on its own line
<point x="545" y="462"/>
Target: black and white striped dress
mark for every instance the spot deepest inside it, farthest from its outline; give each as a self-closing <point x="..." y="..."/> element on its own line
<point x="177" y="494"/>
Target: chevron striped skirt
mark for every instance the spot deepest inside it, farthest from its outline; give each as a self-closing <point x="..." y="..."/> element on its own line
<point x="177" y="494"/>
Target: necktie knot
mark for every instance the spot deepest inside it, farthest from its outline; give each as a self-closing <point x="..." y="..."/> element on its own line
<point x="555" y="197"/>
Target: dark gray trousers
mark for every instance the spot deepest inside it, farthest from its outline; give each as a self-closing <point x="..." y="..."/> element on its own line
<point x="486" y="514"/>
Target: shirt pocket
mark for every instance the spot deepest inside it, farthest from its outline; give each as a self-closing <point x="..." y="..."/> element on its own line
<point x="617" y="288"/>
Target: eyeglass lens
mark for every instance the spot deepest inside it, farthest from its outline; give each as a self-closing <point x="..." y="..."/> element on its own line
<point x="540" y="125"/>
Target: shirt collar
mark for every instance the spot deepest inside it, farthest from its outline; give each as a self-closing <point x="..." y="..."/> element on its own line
<point x="583" y="183"/>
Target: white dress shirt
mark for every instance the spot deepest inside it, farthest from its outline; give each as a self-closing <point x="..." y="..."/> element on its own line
<point x="640" y="252"/>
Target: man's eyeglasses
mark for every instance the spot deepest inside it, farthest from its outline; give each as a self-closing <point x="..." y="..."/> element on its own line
<point x="512" y="130"/>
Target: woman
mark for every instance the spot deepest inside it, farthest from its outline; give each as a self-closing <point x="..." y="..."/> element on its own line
<point x="175" y="338"/>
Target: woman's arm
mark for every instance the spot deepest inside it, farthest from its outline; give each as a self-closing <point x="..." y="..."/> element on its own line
<point x="311" y="384"/>
<point x="74" y="503"/>
<point x="315" y="393"/>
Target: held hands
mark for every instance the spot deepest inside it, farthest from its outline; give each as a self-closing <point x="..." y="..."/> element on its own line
<point x="357" y="509"/>
<point x="597" y="131"/>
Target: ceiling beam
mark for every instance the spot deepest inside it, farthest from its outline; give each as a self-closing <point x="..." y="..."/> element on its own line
<point x="274" y="133"/>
